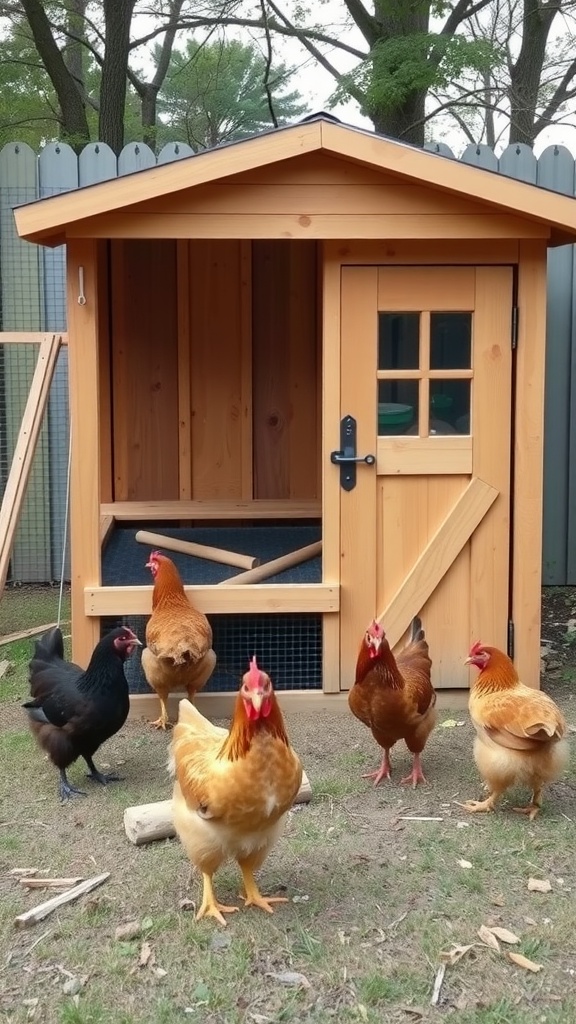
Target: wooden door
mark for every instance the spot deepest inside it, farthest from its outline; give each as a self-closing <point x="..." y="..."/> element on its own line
<point x="426" y="373"/>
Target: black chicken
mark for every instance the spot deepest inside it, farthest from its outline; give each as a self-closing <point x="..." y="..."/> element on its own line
<point x="72" y="712"/>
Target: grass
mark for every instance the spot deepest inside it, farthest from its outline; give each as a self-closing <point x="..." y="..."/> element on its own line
<point x="374" y="900"/>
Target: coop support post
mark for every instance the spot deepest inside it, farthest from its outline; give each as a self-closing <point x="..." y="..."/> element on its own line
<point x="528" y="460"/>
<point x="84" y="424"/>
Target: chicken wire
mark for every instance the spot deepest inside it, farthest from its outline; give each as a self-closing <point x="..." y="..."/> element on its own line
<point x="33" y="298"/>
<point x="287" y="646"/>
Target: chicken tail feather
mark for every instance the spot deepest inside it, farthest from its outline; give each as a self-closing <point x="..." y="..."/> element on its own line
<point x="50" y="646"/>
<point x="417" y="633"/>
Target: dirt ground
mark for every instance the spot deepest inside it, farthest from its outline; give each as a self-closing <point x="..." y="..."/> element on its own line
<point x="378" y="896"/>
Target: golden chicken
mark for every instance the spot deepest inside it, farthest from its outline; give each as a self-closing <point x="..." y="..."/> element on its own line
<point x="519" y="732"/>
<point x="178" y="653"/>
<point x="394" y="697"/>
<point x="232" y="790"/>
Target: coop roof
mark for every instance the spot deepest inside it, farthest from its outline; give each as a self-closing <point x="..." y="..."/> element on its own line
<point x="50" y="220"/>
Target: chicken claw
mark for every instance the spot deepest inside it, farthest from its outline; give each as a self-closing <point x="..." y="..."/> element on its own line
<point x="533" y="807"/>
<point x="66" y="790"/>
<point x="478" y="806"/>
<point x="416" y="775"/>
<point x="210" y="906"/>
<point x="254" y="897"/>
<point x="383" y="772"/>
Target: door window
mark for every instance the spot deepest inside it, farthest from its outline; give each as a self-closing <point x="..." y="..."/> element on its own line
<point x="424" y="373"/>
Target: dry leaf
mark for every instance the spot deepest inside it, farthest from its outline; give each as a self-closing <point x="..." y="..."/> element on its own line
<point x="145" y="953"/>
<point x="186" y="904"/>
<point x="523" y="961"/>
<point x="539" y="885"/>
<point x="498" y="900"/>
<point x="160" y="972"/>
<point x="488" y="938"/>
<point x="505" y="936"/>
<point x="130" y="930"/>
<point x="448" y="723"/>
<point x="453" y="955"/>
<point x="464" y="863"/>
<point x="530" y="920"/>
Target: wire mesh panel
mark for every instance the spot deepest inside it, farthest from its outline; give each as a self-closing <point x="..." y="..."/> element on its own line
<point x="287" y="647"/>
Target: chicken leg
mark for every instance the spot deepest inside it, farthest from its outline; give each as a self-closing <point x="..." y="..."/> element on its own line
<point x="65" y="789"/>
<point x="254" y="897"/>
<point x="416" y="775"/>
<point x="163" y="722"/>
<point x="210" y="906"/>
<point x="100" y="777"/>
<point x="383" y="772"/>
<point x="534" y="806"/>
<point x="481" y="806"/>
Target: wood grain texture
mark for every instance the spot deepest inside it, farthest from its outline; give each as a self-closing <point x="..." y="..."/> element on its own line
<point x="260" y="508"/>
<point x="528" y="454"/>
<point x="285" y="370"/>
<point x="83" y="376"/>
<point x="145" y="370"/>
<point x="216" y="599"/>
<point x="216" y="361"/>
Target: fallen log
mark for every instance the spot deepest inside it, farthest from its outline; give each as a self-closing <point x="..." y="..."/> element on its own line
<point x="43" y="909"/>
<point x="263" y="572"/>
<point x="188" y="547"/>
<point x="146" y="823"/>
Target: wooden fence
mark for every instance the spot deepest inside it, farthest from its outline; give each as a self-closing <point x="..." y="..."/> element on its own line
<point x="32" y="296"/>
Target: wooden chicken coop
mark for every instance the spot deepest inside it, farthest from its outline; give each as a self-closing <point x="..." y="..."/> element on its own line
<point x="315" y="335"/>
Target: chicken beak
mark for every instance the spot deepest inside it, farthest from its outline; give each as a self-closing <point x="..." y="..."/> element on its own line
<point x="468" y="661"/>
<point x="257" y="699"/>
<point x="137" y="642"/>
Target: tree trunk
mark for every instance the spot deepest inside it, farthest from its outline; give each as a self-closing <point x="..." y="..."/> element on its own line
<point x="117" y="18"/>
<point x="405" y="122"/>
<point x="73" y="112"/>
<point x="148" y="98"/>
<point x="74" y="48"/>
<point x="526" y="73"/>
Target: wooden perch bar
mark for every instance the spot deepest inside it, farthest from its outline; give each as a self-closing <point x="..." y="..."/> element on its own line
<point x="263" y="572"/>
<point x="43" y="909"/>
<point x="148" y="822"/>
<point x="187" y="547"/>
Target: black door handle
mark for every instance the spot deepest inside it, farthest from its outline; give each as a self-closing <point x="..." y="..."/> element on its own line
<point x="346" y="456"/>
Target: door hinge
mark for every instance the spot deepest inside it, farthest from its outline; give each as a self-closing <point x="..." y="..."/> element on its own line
<point x="510" y="646"/>
<point x="514" y="327"/>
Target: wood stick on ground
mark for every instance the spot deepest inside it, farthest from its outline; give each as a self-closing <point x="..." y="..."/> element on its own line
<point x="43" y="909"/>
<point x="188" y="547"/>
<point x="262" y="572"/>
<point x="25" y="633"/>
<point x="438" y="980"/>
<point x="146" y="823"/>
<point x="50" y="883"/>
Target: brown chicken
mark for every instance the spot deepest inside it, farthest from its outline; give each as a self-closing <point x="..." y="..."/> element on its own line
<point x="519" y="732"/>
<point x="394" y="697"/>
<point x="232" y="790"/>
<point x="178" y="653"/>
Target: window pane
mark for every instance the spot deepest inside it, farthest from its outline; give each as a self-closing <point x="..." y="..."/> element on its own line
<point x="449" y="407"/>
<point x="398" y="341"/>
<point x="397" y="407"/>
<point x="450" y="341"/>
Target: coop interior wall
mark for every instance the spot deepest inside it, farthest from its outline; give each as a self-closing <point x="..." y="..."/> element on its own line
<point x="212" y="357"/>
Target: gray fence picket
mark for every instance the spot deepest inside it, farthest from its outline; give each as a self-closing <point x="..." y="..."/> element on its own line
<point x="518" y="161"/>
<point x="97" y="162"/>
<point x="58" y="172"/>
<point x="480" y="156"/>
<point x="22" y="309"/>
<point x="136" y="156"/>
<point x="174" y="151"/>
<point x="555" y="170"/>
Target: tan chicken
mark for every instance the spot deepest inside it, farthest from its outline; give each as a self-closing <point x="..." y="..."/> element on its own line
<point x="394" y="697"/>
<point x="233" y="789"/>
<point x="519" y="732"/>
<point x="178" y="653"/>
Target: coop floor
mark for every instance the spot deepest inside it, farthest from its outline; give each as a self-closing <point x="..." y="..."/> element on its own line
<point x="289" y="647"/>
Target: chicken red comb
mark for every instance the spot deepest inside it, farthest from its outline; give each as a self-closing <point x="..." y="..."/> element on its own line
<point x="155" y="554"/>
<point x="375" y="629"/>
<point x="476" y="648"/>
<point x="253" y="673"/>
